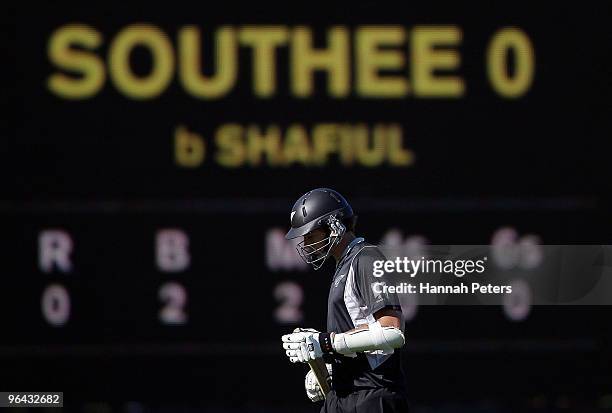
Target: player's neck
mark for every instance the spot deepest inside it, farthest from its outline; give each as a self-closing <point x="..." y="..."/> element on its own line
<point x="344" y="242"/>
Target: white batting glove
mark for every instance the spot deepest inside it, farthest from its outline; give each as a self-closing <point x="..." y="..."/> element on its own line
<point x="302" y="345"/>
<point x="313" y="390"/>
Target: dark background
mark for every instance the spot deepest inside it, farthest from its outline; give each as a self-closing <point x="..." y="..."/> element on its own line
<point x="102" y="170"/>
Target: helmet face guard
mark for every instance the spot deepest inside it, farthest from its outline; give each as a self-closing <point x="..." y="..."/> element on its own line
<point x="316" y="253"/>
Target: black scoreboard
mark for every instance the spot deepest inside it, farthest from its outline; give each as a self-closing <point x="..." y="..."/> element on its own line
<point x="153" y="153"/>
<point x="114" y="101"/>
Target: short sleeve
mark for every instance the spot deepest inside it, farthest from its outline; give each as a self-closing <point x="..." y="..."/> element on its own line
<point x="369" y="287"/>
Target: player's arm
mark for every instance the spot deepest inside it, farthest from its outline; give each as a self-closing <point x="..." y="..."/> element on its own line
<point x="384" y="334"/>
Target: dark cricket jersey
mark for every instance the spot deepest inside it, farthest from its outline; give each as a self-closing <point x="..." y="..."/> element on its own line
<point x="352" y="302"/>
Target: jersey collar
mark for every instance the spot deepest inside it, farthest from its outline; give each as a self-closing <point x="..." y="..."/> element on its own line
<point x="348" y="249"/>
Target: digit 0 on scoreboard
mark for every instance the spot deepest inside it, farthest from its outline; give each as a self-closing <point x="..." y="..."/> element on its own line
<point x="55" y="305"/>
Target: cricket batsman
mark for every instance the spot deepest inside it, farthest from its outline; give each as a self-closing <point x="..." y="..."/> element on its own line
<point x="364" y="328"/>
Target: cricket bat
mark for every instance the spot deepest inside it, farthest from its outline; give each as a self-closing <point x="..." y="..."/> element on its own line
<point x="319" y="369"/>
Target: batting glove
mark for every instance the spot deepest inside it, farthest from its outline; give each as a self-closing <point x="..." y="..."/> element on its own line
<point x="306" y="344"/>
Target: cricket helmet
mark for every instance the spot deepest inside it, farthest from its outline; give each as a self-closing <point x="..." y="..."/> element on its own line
<point x="319" y="208"/>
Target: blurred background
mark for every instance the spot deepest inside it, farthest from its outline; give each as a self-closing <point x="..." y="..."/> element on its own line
<point x="151" y="155"/>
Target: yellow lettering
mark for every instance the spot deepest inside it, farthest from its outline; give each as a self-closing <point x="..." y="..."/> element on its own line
<point x="426" y="59"/>
<point x="325" y="141"/>
<point x="159" y="46"/>
<point x="347" y="144"/>
<point x="189" y="149"/>
<point x="263" y="144"/>
<point x="229" y="141"/>
<point x="334" y="60"/>
<point x="190" y="75"/>
<point x="370" y="156"/>
<point x="398" y="155"/>
<point x="370" y="60"/>
<point x="264" y="41"/>
<point x="87" y="64"/>
<point x="296" y="147"/>
<point x="507" y="40"/>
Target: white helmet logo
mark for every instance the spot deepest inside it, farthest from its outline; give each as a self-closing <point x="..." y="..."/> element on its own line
<point x="292" y="214"/>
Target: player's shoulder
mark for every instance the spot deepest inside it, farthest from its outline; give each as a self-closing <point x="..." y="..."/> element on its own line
<point x="368" y="252"/>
